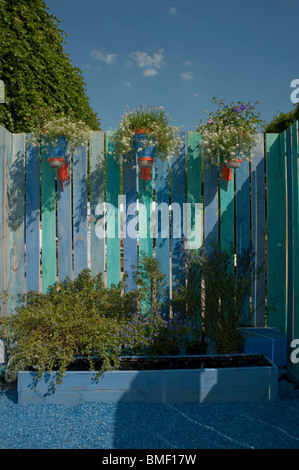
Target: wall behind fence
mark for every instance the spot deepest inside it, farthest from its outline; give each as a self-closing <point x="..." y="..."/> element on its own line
<point x="47" y="234"/>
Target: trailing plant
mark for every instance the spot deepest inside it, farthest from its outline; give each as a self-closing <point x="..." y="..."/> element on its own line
<point x="229" y="133"/>
<point x="73" y="319"/>
<point x="156" y="124"/>
<point x="48" y="127"/>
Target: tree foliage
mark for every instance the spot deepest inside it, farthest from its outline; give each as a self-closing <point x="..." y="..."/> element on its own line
<point x="282" y="121"/>
<point x="35" y="68"/>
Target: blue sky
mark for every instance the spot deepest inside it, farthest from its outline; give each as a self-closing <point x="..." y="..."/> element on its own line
<point x="180" y="53"/>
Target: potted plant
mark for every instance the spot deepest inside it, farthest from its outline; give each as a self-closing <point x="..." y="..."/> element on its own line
<point x="148" y="132"/>
<point x="229" y="134"/>
<point x="48" y="127"/>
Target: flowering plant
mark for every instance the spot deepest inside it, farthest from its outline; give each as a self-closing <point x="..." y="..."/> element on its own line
<point x="229" y="133"/>
<point x="49" y="126"/>
<point x="156" y="124"/>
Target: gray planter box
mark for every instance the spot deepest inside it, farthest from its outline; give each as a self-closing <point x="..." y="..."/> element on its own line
<point x="196" y="384"/>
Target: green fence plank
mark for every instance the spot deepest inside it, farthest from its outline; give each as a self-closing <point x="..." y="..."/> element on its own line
<point x="258" y="217"/>
<point x="112" y="215"/>
<point x="97" y="214"/>
<point x="64" y="219"/>
<point x="276" y="219"/>
<point x="194" y="229"/>
<point x="15" y="200"/>
<point x="48" y="220"/>
<point x="130" y="221"/>
<point x="162" y="227"/>
<point x="227" y="213"/>
<point x="211" y="210"/>
<point x="32" y="217"/>
<point x="80" y="209"/>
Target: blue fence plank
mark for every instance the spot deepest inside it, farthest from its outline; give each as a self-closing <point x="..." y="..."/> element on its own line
<point x="178" y="191"/>
<point x="227" y="213"/>
<point x="15" y="205"/>
<point x="97" y="212"/>
<point x="32" y="217"/>
<point x="113" y="219"/>
<point x="3" y="150"/>
<point x="80" y="209"/>
<point x="162" y="224"/>
<point x="130" y="220"/>
<point x="211" y="217"/>
<point x="64" y="219"/>
<point x="194" y="214"/>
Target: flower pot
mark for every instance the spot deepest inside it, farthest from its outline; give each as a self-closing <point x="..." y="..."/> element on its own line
<point x="145" y="155"/>
<point x="56" y="162"/>
<point x="233" y="163"/>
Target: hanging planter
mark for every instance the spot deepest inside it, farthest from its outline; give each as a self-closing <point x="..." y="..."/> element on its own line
<point x="145" y="155"/>
<point x="233" y="163"/>
<point x="148" y="132"/>
<point x="227" y="168"/>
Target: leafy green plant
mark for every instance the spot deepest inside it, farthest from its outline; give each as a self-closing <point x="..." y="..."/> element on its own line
<point x="73" y="319"/>
<point x="229" y="133"/>
<point x="155" y="123"/>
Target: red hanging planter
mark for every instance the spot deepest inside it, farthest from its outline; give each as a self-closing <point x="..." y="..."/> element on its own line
<point x="56" y="162"/>
<point x="63" y="174"/>
<point x="227" y="169"/>
<point x="146" y="156"/>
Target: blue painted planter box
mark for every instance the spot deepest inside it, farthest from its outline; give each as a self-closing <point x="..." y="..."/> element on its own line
<point x="267" y="341"/>
<point x="196" y="385"/>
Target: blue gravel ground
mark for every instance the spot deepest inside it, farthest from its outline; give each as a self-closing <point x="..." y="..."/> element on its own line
<point x="261" y="425"/>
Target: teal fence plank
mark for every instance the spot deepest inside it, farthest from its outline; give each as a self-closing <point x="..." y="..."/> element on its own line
<point x="80" y="209"/>
<point x="194" y="213"/>
<point x="130" y="221"/>
<point x="211" y="210"/>
<point x="32" y="218"/>
<point x="3" y="150"/>
<point x="178" y="191"/>
<point x="243" y="224"/>
<point x="64" y="219"/>
<point x="227" y="213"/>
<point x="48" y="220"/>
<point x="258" y="216"/>
<point x="290" y="236"/>
<point x="97" y="212"/>
<point x="276" y="231"/>
<point x="15" y="205"/>
<point x="162" y="228"/>
<point x="294" y="323"/>
<point x="112" y="215"/>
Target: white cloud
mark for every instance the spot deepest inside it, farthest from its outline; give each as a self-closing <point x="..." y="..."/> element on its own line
<point x="128" y="84"/>
<point x="149" y="72"/>
<point x="173" y="10"/>
<point x="145" y="60"/>
<point x="196" y="95"/>
<point x="187" y="75"/>
<point x="107" y="58"/>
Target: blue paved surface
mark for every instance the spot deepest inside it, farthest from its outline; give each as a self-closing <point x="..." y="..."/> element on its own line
<point x="262" y="425"/>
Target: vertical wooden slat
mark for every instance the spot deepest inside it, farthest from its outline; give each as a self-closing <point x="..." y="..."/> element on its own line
<point x="64" y="218"/>
<point x="3" y="151"/>
<point x="113" y="228"/>
<point x="130" y="220"/>
<point x="80" y="209"/>
<point x="211" y="216"/>
<point x="227" y="213"/>
<point x="162" y="224"/>
<point x="258" y="216"/>
<point x="243" y="224"/>
<point x="32" y="217"/>
<point x="194" y="192"/>
<point x="276" y="231"/>
<point x="97" y="216"/>
<point x="290" y="236"/>
<point x="178" y="191"/>
<point x="15" y="183"/>
<point x="294" y="326"/>
<point x="48" y="220"/>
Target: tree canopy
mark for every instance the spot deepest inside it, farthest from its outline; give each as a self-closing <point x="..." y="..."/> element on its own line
<point x="282" y="121"/>
<point x="36" y="70"/>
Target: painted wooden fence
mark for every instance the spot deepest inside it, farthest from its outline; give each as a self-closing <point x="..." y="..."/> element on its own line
<point x="47" y="232"/>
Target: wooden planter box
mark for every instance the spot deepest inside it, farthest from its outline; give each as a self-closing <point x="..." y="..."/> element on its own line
<point x="194" y="379"/>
